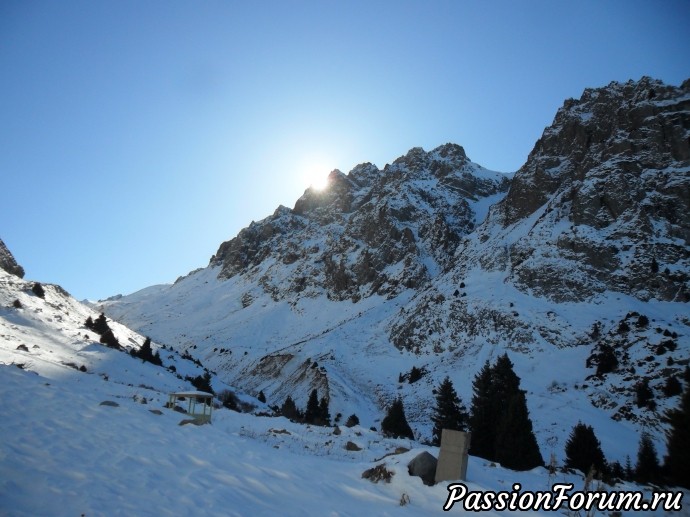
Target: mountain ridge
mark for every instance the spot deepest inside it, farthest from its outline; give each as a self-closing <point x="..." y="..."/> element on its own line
<point x="394" y="268"/>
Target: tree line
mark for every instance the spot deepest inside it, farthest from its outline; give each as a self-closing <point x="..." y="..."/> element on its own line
<point x="502" y="431"/>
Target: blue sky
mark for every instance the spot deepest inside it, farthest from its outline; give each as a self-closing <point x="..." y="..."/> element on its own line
<point x="136" y="136"/>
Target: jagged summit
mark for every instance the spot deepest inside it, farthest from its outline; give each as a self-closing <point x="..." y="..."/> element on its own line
<point x="369" y="232"/>
<point x="8" y="262"/>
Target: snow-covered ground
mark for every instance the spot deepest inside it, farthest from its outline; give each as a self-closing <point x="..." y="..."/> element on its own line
<point x="63" y="453"/>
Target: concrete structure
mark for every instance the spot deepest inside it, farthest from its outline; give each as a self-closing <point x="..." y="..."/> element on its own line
<point x="452" y="459"/>
<point x="199" y="404"/>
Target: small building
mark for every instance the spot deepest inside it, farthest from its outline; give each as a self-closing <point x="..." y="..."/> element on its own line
<point x="199" y="404"/>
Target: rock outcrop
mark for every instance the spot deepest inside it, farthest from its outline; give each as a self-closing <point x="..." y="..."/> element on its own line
<point x="8" y="263"/>
<point x="603" y="200"/>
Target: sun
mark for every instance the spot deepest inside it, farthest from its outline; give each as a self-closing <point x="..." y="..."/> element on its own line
<point x="315" y="174"/>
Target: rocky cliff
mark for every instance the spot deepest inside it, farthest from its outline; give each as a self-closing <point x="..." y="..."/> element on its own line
<point x="369" y="232"/>
<point x="8" y="263"/>
<point x="606" y="191"/>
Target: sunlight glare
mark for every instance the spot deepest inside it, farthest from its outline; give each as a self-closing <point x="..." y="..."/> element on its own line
<point x="315" y="174"/>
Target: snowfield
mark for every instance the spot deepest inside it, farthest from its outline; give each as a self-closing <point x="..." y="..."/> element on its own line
<point x="64" y="453"/>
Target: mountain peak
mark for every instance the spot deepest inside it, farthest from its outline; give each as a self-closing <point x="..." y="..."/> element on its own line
<point x="347" y="237"/>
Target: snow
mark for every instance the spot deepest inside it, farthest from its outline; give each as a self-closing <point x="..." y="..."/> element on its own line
<point x="65" y="454"/>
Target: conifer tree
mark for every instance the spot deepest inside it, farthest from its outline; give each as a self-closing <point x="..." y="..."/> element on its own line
<point x="504" y="381"/>
<point x="482" y="416"/>
<point x="324" y="417"/>
<point x="289" y="409"/>
<point x="100" y="326"/>
<point x="672" y="387"/>
<point x="311" y="414"/>
<point x="145" y="352"/>
<point x="203" y="383"/>
<point x="499" y="418"/>
<point x="261" y="397"/>
<point x="647" y="468"/>
<point x="395" y="423"/>
<point x="450" y="413"/>
<point x="516" y="445"/>
<point x="109" y="339"/>
<point x="629" y="473"/>
<point x="616" y="471"/>
<point x="677" y="439"/>
<point x="583" y="450"/>
<point x="644" y="396"/>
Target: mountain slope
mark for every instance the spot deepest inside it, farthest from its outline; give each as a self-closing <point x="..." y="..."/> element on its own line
<point x="403" y="267"/>
<point x="47" y="335"/>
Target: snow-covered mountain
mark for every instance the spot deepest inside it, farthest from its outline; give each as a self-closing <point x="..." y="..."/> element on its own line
<point x="577" y="266"/>
<point x="585" y="249"/>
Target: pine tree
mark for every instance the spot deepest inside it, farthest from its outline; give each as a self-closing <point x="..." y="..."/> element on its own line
<point x="677" y="440"/>
<point x="109" y="339"/>
<point x="516" y="445"/>
<point x="395" y="423"/>
<point x="505" y="382"/>
<point x="647" y="468"/>
<point x="311" y="414"/>
<point x="324" y="417"/>
<point x="289" y="409"/>
<point x="499" y="417"/>
<point x="616" y="470"/>
<point x="450" y="413"/>
<point x="583" y="450"/>
<point x="145" y="352"/>
<point x="654" y="266"/>
<point x="608" y="362"/>
<point x="629" y="473"/>
<point x="261" y="397"/>
<point x="415" y="375"/>
<point x="89" y="323"/>
<point x="644" y="396"/>
<point x="482" y="416"/>
<point x="203" y="383"/>
<point x="100" y="326"/>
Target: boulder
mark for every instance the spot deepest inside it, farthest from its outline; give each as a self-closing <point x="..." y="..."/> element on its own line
<point x="424" y="466"/>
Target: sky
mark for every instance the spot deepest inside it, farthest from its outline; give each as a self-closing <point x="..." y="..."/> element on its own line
<point x="135" y="137"/>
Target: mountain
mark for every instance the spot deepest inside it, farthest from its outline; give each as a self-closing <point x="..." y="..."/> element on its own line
<point x="576" y="265"/>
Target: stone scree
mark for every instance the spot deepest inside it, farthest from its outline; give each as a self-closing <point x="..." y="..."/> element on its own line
<point x="452" y="459"/>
